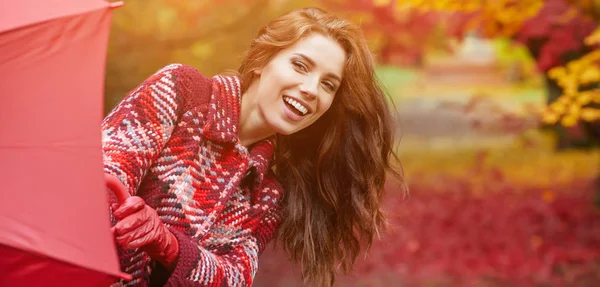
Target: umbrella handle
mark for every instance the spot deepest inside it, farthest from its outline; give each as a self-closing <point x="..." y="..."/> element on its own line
<point x="117" y="187"/>
<point x="121" y="192"/>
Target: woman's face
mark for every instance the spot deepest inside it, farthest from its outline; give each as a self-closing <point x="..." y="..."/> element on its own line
<point x="298" y="85"/>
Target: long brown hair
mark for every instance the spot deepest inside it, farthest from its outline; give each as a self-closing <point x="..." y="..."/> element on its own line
<point x="333" y="172"/>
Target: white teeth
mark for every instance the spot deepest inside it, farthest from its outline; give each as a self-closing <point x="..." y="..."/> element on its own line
<point x="296" y="105"/>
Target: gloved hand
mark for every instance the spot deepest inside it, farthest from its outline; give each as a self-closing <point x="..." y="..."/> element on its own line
<point x="139" y="226"/>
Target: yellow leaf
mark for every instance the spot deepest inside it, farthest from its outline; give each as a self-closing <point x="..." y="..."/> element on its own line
<point x="592" y="56"/>
<point x="569" y="121"/>
<point x="590" y="74"/>
<point x="574" y="109"/>
<point x="531" y="9"/>
<point x="563" y="100"/>
<point x="441" y="5"/>
<point x="454" y="6"/>
<point x="509" y="15"/>
<point x="549" y="117"/>
<point x="593" y="38"/>
<point x="595" y="96"/>
<point x="584" y="98"/>
<point x="570" y="86"/>
<point x="590" y="114"/>
<point x="574" y="66"/>
<point x="556" y="73"/>
<point x="558" y="108"/>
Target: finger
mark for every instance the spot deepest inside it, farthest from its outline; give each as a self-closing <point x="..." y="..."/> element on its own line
<point x="135" y="239"/>
<point x="140" y="242"/>
<point x="130" y="206"/>
<point x="133" y="233"/>
<point x="132" y="222"/>
<point x="117" y="187"/>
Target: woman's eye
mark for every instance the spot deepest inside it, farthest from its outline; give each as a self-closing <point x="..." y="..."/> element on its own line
<point x="300" y="66"/>
<point x="329" y="86"/>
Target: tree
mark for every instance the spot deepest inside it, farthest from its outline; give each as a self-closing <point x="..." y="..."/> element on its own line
<point x="580" y="98"/>
<point x="209" y="35"/>
<point x="396" y="35"/>
<point x="554" y="32"/>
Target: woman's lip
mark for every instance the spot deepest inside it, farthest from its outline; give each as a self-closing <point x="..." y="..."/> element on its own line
<point x="289" y="113"/>
<point x="308" y="108"/>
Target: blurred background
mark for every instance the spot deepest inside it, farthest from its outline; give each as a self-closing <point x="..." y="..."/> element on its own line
<point x="498" y="124"/>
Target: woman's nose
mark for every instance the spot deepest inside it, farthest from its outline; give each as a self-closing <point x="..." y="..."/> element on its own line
<point x="310" y="88"/>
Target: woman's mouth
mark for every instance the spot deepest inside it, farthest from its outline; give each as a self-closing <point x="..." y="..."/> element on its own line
<point x="295" y="110"/>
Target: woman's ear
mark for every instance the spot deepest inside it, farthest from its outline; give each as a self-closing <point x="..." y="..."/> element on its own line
<point x="257" y="72"/>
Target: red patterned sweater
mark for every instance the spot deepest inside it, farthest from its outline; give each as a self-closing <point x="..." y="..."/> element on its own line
<point x="174" y="142"/>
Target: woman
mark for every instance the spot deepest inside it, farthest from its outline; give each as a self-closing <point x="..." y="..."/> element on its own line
<point x="297" y="147"/>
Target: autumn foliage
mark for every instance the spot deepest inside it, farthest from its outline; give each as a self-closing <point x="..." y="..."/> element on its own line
<point x="558" y="33"/>
<point x="472" y="219"/>
<point x="480" y="229"/>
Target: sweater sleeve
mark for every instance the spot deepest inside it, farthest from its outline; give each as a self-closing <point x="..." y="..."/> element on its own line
<point x="226" y="257"/>
<point x="136" y="130"/>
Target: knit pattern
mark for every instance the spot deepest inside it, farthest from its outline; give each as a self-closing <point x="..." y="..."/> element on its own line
<point x="174" y="142"/>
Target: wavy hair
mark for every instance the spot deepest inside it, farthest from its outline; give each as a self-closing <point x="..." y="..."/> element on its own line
<point x="333" y="172"/>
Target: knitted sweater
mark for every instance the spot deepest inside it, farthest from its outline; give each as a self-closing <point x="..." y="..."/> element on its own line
<point x="174" y="142"/>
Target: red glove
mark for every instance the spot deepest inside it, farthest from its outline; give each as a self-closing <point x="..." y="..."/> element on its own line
<point x="139" y="226"/>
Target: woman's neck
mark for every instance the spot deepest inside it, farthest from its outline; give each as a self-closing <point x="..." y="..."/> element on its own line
<point x="253" y="127"/>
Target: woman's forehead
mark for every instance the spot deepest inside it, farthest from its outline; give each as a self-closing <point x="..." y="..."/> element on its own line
<point x="323" y="51"/>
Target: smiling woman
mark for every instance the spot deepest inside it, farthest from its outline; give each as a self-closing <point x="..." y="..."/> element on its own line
<point x="295" y="88"/>
<point x="296" y="147"/>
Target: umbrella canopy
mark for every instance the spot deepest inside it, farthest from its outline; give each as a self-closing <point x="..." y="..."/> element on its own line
<point x="54" y="221"/>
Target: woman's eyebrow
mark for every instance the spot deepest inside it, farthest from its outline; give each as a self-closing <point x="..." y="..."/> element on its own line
<point x="312" y="63"/>
<point x="306" y="58"/>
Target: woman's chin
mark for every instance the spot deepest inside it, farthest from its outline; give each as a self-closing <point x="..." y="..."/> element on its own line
<point x="284" y="131"/>
<point x="282" y="127"/>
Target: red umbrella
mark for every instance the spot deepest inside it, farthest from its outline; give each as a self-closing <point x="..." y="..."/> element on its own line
<point x="54" y="221"/>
